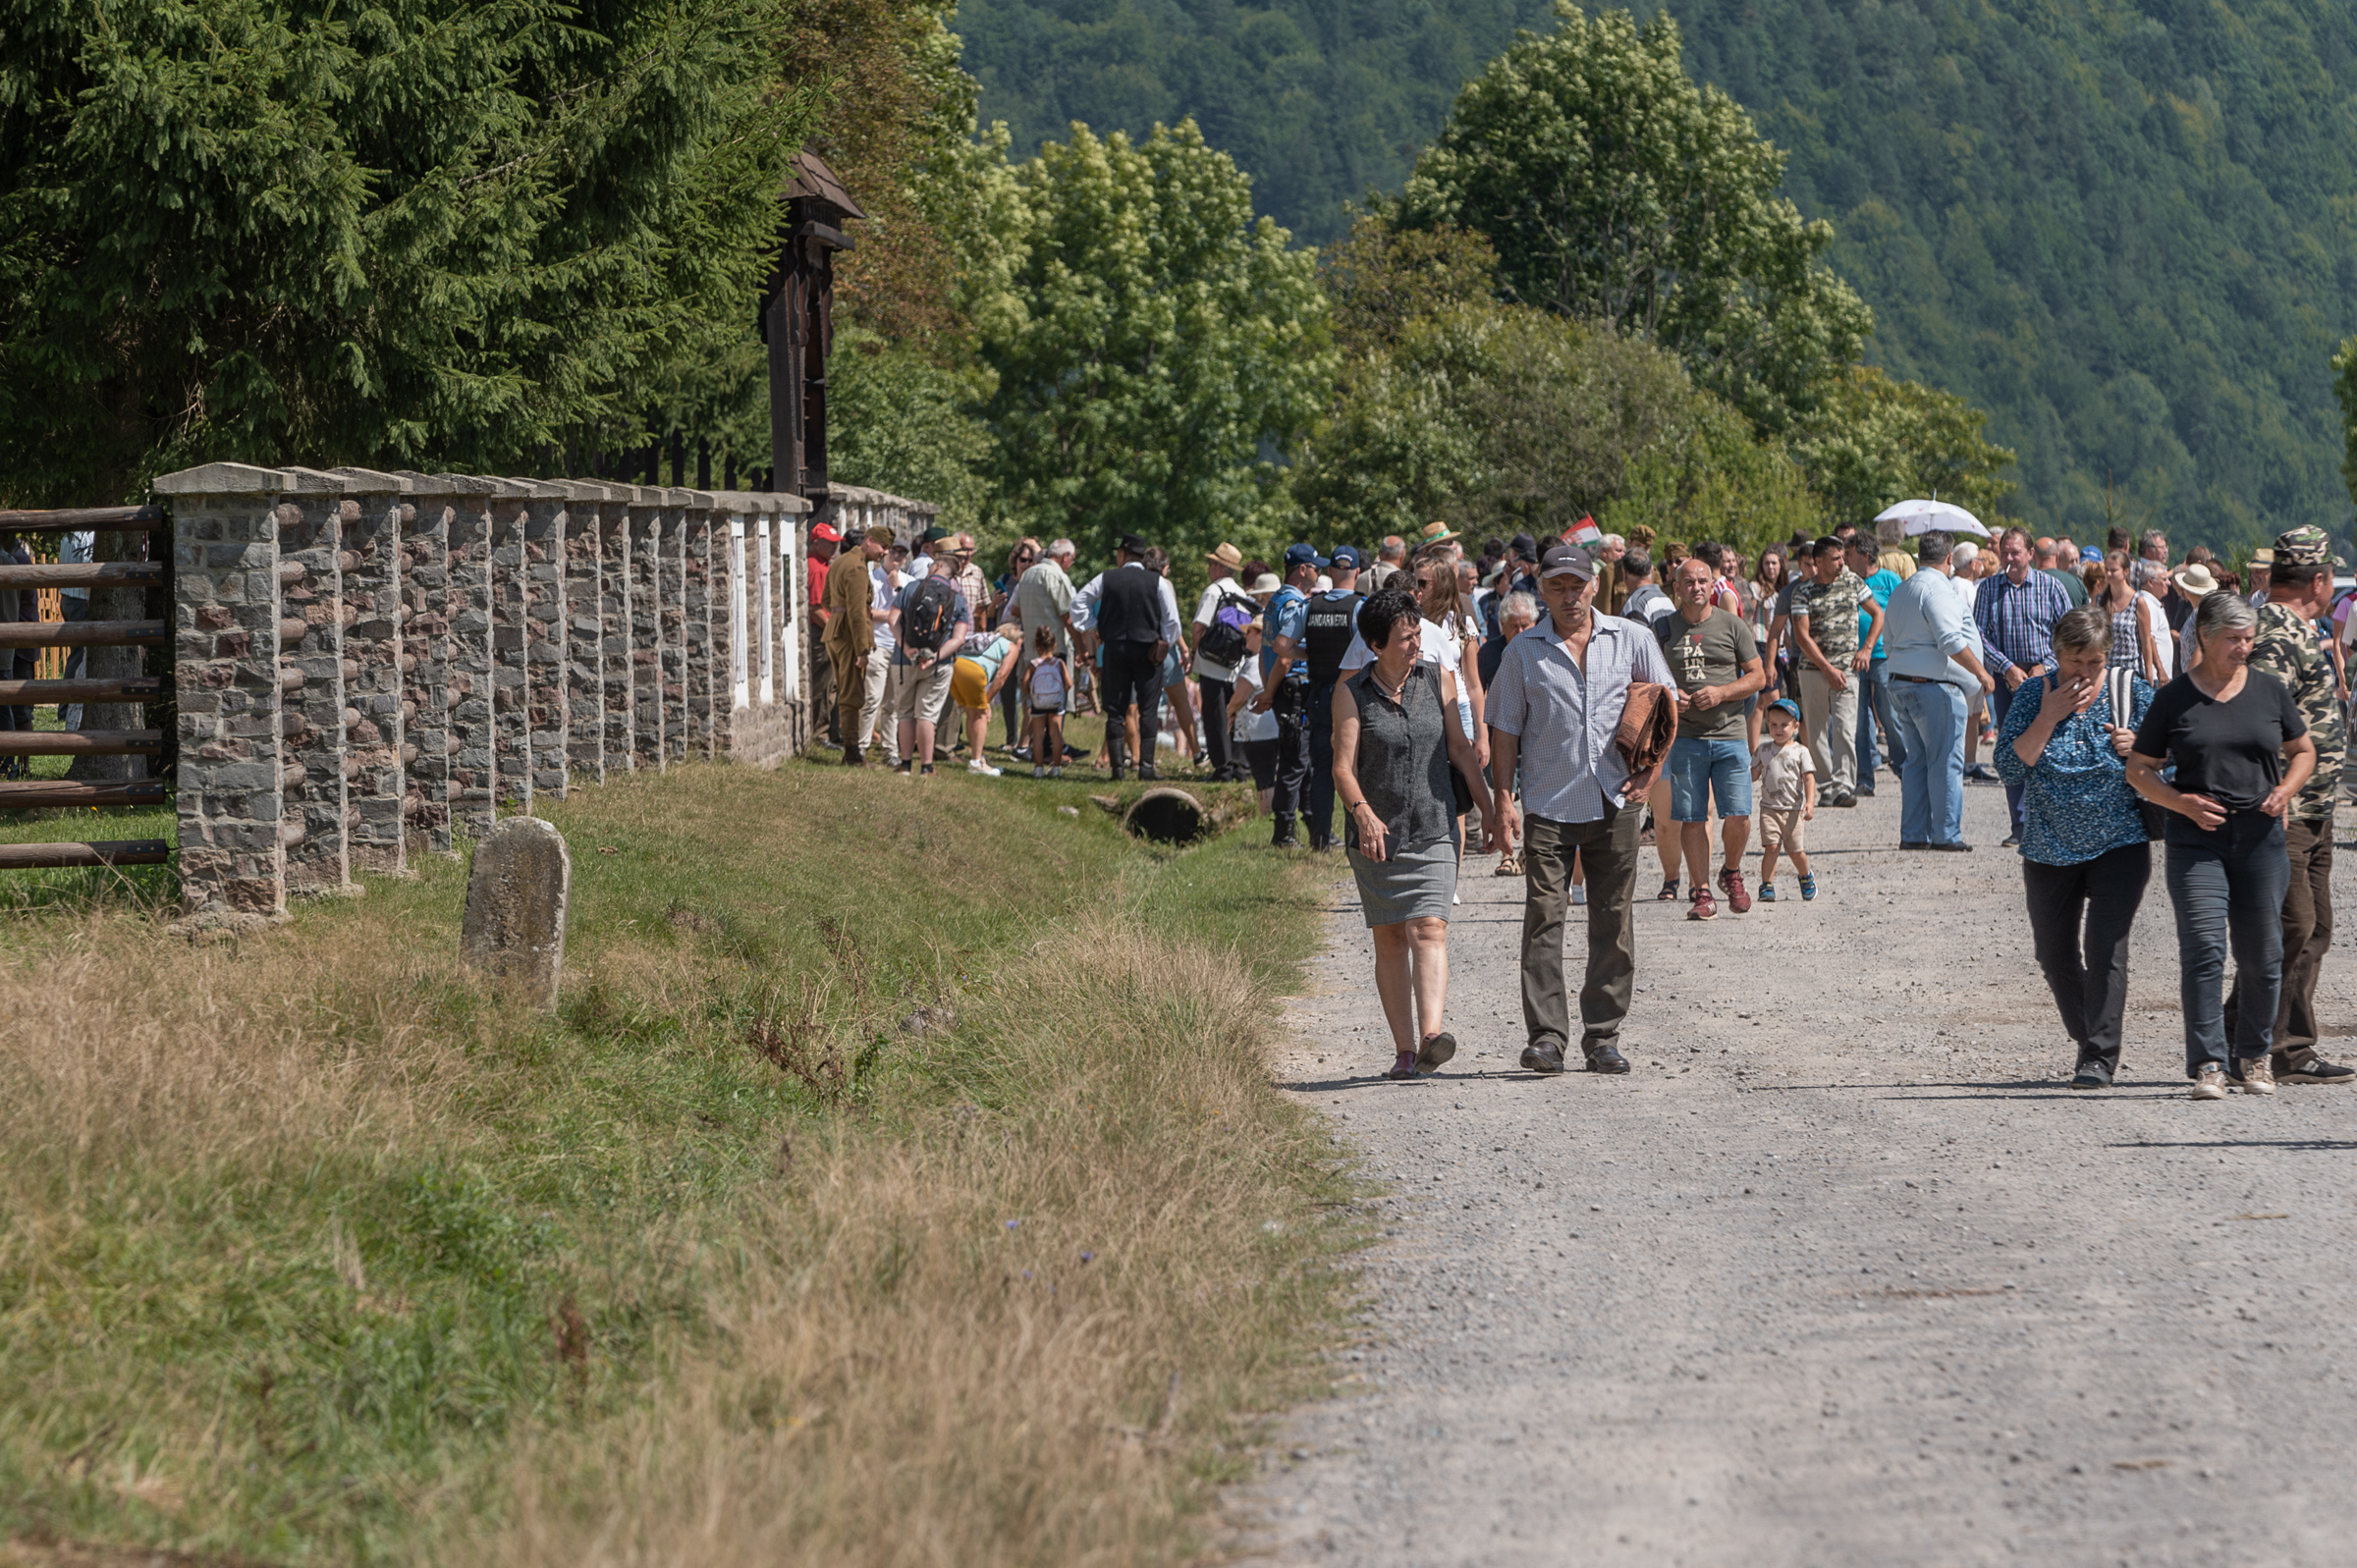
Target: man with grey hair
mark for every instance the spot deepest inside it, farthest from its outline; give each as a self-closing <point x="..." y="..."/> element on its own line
<point x="1391" y="561"/>
<point x="2155" y="546"/>
<point x="1935" y="673"/>
<point x="1043" y="597"/>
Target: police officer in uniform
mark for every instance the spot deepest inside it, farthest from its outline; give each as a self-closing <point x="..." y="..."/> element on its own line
<point x="1331" y="621"/>
<point x="1284" y="687"/>
<point x="2289" y="649"/>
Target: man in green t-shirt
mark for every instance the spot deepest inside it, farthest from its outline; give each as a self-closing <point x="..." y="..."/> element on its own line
<point x="1716" y="661"/>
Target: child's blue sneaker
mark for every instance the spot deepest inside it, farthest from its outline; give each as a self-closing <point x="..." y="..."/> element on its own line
<point x="1767" y="893"/>
<point x="1808" y="886"/>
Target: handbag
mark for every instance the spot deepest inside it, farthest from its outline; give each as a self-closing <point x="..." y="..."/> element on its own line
<point x="2119" y="685"/>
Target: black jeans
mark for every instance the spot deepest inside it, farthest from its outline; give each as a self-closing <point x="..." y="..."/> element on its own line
<point x="2229" y="890"/>
<point x="2307" y="936"/>
<point x="2079" y="920"/>
<point x="1292" y="755"/>
<point x="1132" y="674"/>
<point x="1217" y="746"/>
<point x="1317" y="802"/>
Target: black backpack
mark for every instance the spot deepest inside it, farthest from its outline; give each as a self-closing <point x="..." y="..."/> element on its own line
<point x="1223" y="640"/>
<point x="931" y="614"/>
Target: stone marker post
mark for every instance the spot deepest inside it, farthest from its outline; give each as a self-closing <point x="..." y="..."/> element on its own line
<point x="517" y="892"/>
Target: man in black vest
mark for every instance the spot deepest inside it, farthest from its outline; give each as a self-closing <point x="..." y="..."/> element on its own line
<point x="1332" y="621"/>
<point x="1135" y="627"/>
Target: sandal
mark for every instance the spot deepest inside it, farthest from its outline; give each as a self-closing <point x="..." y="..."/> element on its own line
<point x="1404" y="1068"/>
<point x="1509" y="864"/>
<point x="1668" y="893"/>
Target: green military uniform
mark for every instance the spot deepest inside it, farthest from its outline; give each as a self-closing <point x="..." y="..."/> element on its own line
<point x="2289" y="649"/>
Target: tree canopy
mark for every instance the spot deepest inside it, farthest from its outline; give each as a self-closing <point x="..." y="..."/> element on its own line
<point x="450" y="234"/>
<point x="1151" y="341"/>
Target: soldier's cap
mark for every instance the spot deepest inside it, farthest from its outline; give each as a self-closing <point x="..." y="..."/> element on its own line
<point x="1566" y="560"/>
<point x="2304" y="546"/>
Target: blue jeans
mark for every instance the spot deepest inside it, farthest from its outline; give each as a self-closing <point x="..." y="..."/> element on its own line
<point x="1932" y="714"/>
<point x="1700" y="769"/>
<point x="2228" y="889"/>
<point x="1875" y="704"/>
<point x="2001" y="702"/>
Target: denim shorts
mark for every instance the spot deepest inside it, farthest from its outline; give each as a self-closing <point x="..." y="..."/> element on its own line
<point x="1701" y="770"/>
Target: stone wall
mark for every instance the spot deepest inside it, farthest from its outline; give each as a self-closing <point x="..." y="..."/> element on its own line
<point x="372" y="665"/>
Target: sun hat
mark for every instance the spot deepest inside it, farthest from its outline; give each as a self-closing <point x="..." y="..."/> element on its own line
<point x="1267" y="582"/>
<point x="2195" y="581"/>
<point x="1434" y="533"/>
<point x="1227" y="555"/>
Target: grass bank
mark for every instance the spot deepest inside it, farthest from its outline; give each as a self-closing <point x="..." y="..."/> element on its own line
<point x="313" y="1250"/>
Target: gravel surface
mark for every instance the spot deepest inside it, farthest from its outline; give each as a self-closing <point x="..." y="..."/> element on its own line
<point x="1840" y="1273"/>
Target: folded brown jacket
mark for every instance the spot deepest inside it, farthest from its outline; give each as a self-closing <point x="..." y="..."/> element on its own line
<point x="1647" y="724"/>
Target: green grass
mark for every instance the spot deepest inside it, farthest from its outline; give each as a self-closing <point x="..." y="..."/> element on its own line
<point x="386" y="1251"/>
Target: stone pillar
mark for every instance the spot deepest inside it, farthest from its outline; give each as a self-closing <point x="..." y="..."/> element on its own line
<point x="310" y="546"/>
<point x="697" y="603"/>
<point x="646" y="626"/>
<point x="233" y="862"/>
<point x="425" y="659"/>
<point x="672" y="587"/>
<point x="584" y="636"/>
<point x="376" y="731"/>
<point x="547" y="686"/>
<point x="511" y="717"/>
<point x="731" y="672"/>
<point x="473" y="758"/>
<point x="794" y="613"/>
<point x="761" y="544"/>
<point x="614" y="611"/>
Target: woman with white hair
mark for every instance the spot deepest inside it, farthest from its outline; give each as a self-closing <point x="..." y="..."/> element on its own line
<point x="2241" y="749"/>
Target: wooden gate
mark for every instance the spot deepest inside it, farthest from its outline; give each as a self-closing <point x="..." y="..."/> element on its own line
<point x="150" y="571"/>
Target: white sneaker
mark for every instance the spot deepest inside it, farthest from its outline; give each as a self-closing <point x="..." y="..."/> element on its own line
<point x="981" y="767"/>
<point x="2209" y="1083"/>
<point x="1579" y="893"/>
<point x="1457" y="898"/>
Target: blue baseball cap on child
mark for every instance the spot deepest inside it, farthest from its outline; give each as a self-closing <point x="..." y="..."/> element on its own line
<point x="1304" y="555"/>
<point x="1785" y="705"/>
<point x="1347" y="557"/>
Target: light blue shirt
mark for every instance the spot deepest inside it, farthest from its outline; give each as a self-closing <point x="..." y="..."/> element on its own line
<point x="1566" y="716"/>
<point x="1924" y="628"/>
<point x="74" y="548"/>
<point x="1287" y="616"/>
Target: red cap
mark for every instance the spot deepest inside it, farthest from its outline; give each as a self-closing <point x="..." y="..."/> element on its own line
<point x="828" y="532"/>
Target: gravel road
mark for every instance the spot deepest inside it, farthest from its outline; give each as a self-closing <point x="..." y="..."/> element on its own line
<point x="1840" y="1273"/>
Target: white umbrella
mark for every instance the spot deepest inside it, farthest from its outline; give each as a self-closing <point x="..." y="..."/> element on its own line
<point x="1922" y="516"/>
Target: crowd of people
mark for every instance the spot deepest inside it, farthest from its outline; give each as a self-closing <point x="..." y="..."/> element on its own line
<point x="1567" y="705"/>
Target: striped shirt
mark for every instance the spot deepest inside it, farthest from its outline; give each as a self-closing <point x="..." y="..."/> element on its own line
<point x="1566" y="716"/>
<point x="2018" y="619"/>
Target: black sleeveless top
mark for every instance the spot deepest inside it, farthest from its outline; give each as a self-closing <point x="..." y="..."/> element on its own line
<point x="1403" y="758"/>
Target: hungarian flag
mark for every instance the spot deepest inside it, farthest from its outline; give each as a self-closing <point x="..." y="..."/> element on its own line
<point x="1584" y="533"/>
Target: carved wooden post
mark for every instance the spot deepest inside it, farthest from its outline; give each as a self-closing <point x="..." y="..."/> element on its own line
<point x="230" y="801"/>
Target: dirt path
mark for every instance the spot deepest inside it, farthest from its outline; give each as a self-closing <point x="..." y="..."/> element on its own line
<point x="1839" y="1273"/>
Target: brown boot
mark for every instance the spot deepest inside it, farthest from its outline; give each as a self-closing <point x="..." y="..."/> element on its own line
<point x="853" y="757"/>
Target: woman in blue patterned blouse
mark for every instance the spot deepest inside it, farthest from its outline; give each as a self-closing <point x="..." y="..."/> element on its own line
<point x="2085" y="858"/>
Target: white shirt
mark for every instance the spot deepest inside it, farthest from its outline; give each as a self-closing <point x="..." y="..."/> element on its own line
<point x="1437" y="646"/>
<point x="1084" y="607"/>
<point x="886" y="584"/>
<point x="1205" y="609"/>
<point x="1250" y="726"/>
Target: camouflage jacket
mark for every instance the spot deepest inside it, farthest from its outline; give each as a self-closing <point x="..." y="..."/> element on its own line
<point x="2289" y="649"/>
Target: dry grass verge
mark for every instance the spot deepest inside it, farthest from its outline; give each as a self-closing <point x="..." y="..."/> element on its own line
<point x="310" y="1250"/>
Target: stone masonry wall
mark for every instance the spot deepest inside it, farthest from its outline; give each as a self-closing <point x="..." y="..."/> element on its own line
<point x="371" y="667"/>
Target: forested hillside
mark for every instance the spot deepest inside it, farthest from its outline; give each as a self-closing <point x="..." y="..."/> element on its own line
<point x="2128" y="230"/>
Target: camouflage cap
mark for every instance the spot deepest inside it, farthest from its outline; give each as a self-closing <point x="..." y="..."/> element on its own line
<point x="2306" y="546"/>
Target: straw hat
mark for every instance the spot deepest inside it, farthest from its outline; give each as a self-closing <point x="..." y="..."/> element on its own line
<point x="1433" y="533"/>
<point x="2195" y="581"/>
<point x="1227" y="556"/>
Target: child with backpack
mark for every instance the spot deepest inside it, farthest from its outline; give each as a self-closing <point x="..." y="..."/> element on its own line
<point x="1045" y="683"/>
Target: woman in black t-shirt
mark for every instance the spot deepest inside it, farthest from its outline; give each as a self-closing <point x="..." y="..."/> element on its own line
<point x="2241" y="752"/>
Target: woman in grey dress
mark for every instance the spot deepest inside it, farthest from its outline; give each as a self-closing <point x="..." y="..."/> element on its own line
<point x="1395" y="733"/>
